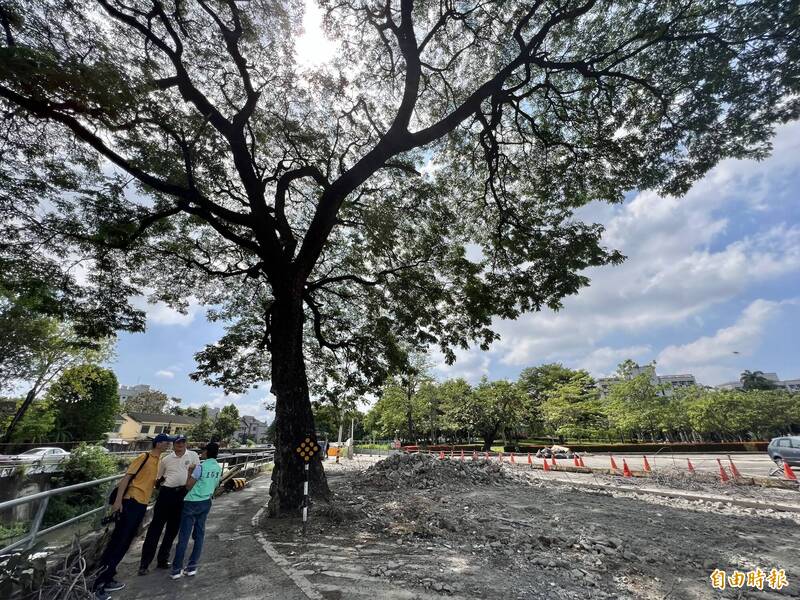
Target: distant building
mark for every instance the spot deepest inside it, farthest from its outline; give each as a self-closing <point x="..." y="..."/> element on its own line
<point x="132" y="426"/>
<point x="252" y="428"/>
<point x="792" y="385"/>
<point x="672" y="382"/>
<point x="126" y="392"/>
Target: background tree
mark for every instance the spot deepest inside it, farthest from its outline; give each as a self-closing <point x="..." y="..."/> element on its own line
<point x="35" y="426"/>
<point x="537" y="382"/>
<point x="295" y="202"/>
<point x="56" y="348"/>
<point x="85" y="400"/>
<point x="397" y="412"/>
<point x="204" y="430"/>
<point x="187" y="411"/>
<point x="755" y="380"/>
<point x="492" y="408"/>
<point x="150" y="401"/>
<point x="571" y="408"/>
<point x="227" y="422"/>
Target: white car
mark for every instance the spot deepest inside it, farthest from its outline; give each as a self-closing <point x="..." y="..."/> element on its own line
<point x="44" y="455"/>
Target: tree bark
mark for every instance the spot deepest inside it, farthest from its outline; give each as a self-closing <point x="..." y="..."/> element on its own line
<point x="294" y="420"/>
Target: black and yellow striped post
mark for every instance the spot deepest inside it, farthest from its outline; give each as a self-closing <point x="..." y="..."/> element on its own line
<point x="306" y="450"/>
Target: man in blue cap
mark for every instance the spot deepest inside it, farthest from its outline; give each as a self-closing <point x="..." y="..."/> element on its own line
<point x="130" y="503"/>
<point x="202" y="483"/>
<point x="173" y="471"/>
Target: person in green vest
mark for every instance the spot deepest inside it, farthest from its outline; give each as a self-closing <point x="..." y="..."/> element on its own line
<point x="203" y="480"/>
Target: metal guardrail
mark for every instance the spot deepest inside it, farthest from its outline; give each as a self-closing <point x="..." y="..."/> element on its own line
<point x="43" y="498"/>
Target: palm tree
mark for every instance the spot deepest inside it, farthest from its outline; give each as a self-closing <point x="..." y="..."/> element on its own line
<point x="755" y="380"/>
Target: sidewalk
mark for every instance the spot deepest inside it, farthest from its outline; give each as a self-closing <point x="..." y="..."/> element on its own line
<point x="233" y="565"/>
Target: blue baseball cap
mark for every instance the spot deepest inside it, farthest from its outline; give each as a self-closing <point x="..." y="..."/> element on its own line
<point x="163" y="437"/>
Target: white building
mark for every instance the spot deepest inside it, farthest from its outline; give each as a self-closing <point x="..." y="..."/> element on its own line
<point x="672" y="382"/>
<point x="252" y="428"/>
<point x="127" y="392"/>
<point x="792" y="385"/>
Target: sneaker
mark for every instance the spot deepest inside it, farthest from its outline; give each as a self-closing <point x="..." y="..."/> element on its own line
<point x="101" y="595"/>
<point x="190" y="571"/>
<point x="177" y="575"/>
<point x="113" y="586"/>
<point x="142" y="571"/>
<point x="164" y="565"/>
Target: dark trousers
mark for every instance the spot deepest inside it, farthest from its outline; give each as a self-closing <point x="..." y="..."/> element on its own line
<point x="166" y="514"/>
<point x="125" y="530"/>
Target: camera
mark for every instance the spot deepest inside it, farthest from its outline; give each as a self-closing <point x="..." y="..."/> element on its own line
<point x="108" y="519"/>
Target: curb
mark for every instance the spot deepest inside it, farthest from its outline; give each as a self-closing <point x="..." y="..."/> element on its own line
<point x="299" y="580"/>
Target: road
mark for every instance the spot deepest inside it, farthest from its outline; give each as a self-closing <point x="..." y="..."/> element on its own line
<point x="747" y="464"/>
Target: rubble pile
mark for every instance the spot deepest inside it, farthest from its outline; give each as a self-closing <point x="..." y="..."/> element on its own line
<point x="424" y="471"/>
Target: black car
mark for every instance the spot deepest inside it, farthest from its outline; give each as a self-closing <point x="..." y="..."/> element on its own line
<point x="785" y="449"/>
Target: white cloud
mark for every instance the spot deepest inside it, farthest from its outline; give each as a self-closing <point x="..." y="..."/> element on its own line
<point x="161" y="314"/>
<point x="686" y="256"/>
<point x="470" y="365"/>
<point x="602" y="361"/>
<point x="712" y="358"/>
<point x="165" y="373"/>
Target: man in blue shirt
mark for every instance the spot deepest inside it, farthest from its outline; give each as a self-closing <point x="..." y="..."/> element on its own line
<point x="202" y="483"/>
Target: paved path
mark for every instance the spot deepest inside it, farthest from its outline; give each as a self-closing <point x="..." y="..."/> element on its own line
<point x="234" y="564"/>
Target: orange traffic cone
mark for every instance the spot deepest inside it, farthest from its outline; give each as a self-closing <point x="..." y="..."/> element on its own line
<point x="575" y="460"/>
<point x="513" y="461"/>
<point x="734" y="470"/>
<point x="441" y="455"/>
<point x="788" y="473"/>
<point x="646" y="465"/>
<point x="690" y="466"/>
<point x="546" y="466"/>
<point x="626" y="472"/>
<point x="580" y="462"/>
<point x="530" y="462"/>
<point x="553" y="462"/>
<point x="614" y="466"/>
<point x="723" y="476"/>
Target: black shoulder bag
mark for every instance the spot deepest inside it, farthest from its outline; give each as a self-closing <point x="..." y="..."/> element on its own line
<point x="112" y="496"/>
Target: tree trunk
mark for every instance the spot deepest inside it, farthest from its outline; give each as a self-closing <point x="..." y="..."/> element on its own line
<point x="23" y="408"/>
<point x="294" y="420"/>
<point x="488" y="439"/>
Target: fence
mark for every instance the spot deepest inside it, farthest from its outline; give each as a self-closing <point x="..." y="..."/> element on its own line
<point x="43" y="498"/>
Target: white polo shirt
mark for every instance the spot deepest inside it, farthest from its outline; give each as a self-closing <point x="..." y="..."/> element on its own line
<point x="176" y="469"/>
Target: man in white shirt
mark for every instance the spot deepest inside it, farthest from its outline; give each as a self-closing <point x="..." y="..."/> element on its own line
<point x="173" y="471"/>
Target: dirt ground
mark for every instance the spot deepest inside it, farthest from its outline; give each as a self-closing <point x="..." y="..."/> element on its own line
<point x="413" y="527"/>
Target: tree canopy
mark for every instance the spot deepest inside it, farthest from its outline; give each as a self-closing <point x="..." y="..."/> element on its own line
<point x="177" y="149"/>
<point x="80" y="391"/>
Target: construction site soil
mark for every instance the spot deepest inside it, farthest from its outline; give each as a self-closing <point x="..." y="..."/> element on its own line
<point x="414" y="527"/>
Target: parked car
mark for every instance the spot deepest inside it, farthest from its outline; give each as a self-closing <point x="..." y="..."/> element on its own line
<point x="45" y="455"/>
<point x="785" y="449"/>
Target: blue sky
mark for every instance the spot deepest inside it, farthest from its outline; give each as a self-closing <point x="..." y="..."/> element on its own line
<point x="709" y="274"/>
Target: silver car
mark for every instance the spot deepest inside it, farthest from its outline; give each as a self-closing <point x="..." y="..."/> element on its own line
<point x="40" y="455"/>
<point x="785" y="449"/>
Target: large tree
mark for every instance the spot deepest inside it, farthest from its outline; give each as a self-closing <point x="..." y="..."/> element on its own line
<point x="177" y="144"/>
<point x="85" y="400"/>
